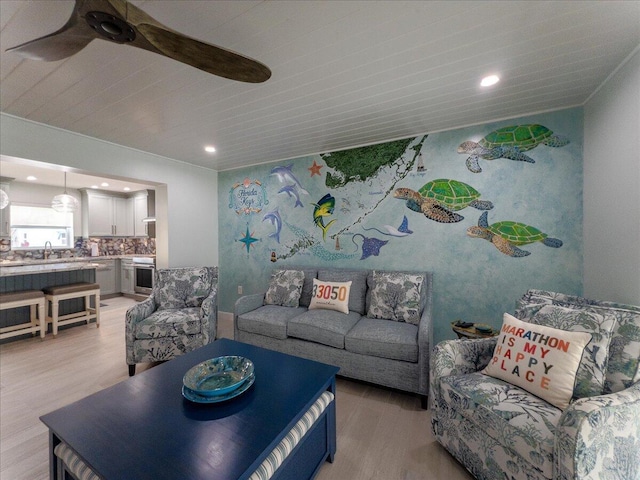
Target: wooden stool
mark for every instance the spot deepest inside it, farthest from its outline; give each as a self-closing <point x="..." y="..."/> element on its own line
<point x="74" y="290"/>
<point x="25" y="298"/>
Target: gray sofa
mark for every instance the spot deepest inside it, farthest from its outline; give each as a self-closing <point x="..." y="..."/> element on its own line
<point x="385" y="352"/>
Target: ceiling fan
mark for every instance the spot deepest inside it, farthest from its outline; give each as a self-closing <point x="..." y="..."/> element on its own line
<point x="121" y="22"/>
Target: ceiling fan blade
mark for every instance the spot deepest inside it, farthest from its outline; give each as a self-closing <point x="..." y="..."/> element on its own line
<point x="121" y="22"/>
<point x="209" y="58"/>
<point x="68" y="40"/>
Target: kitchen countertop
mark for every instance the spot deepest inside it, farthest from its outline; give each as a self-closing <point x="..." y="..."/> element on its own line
<point x="35" y="266"/>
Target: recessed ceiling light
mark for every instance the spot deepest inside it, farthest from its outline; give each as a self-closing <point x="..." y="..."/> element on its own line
<point x="104" y="184"/>
<point x="94" y="186"/>
<point x="210" y="149"/>
<point x="31" y="178"/>
<point x="490" y="80"/>
<point x="126" y="189"/>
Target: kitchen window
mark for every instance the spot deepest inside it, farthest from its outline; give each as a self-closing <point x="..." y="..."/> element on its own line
<point x="33" y="226"/>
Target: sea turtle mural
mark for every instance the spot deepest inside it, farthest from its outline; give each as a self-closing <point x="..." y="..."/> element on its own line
<point x="454" y="195"/>
<point x="510" y="142"/>
<point x="431" y="208"/>
<point x="506" y="235"/>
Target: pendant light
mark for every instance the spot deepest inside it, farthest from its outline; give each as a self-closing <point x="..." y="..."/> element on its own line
<point x="4" y="199"/>
<point x="64" y="203"/>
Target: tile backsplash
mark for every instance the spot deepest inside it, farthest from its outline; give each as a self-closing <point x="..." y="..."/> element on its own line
<point x="106" y="246"/>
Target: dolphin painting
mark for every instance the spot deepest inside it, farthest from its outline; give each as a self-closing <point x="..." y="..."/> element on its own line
<point x="324" y="208"/>
<point x="274" y="218"/>
<point x="292" y="191"/>
<point x="285" y="174"/>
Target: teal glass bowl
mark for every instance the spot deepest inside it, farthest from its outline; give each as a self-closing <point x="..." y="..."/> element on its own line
<point x="218" y="376"/>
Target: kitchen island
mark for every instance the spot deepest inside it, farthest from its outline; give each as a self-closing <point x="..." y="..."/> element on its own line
<point x="37" y="275"/>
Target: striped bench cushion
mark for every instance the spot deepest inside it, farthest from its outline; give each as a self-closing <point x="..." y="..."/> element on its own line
<point x="77" y="467"/>
<point x="81" y="470"/>
<point x="267" y="468"/>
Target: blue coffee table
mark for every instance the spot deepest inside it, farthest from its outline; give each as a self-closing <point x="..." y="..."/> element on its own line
<point x="143" y="428"/>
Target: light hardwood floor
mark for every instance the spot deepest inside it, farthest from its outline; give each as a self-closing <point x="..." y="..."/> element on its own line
<point x="382" y="434"/>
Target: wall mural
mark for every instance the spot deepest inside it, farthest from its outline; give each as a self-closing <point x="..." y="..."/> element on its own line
<point x="409" y="204"/>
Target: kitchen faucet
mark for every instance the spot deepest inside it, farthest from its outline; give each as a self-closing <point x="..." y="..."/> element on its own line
<point x="46" y="254"/>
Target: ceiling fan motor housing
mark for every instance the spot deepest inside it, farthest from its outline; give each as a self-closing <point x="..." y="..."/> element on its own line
<point x="110" y="27"/>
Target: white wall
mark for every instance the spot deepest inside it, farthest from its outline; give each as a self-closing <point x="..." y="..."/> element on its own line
<point x="189" y="237"/>
<point x="612" y="188"/>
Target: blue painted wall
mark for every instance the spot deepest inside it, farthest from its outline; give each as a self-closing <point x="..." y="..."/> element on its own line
<point x="472" y="279"/>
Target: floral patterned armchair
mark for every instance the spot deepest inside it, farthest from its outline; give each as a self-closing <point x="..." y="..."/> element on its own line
<point x="499" y="431"/>
<point x="180" y="315"/>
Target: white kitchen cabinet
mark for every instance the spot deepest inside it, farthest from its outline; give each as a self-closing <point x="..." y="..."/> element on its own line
<point x="140" y="212"/>
<point x="106" y="215"/>
<point x="127" y="280"/>
<point x="123" y="218"/>
<point x="107" y="276"/>
<point x="5" y="218"/>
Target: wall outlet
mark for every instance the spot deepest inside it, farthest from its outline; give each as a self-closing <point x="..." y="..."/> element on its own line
<point x="239" y="289"/>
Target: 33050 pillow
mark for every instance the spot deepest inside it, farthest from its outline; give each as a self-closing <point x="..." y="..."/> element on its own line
<point x="539" y="359"/>
<point x="330" y="295"/>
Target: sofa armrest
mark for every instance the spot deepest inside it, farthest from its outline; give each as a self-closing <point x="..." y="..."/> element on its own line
<point x="457" y="357"/>
<point x="209" y="315"/>
<point x="244" y="305"/>
<point x="425" y="329"/>
<point x="136" y="313"/>
<point x="599" y="437"/>
<point x="140" y="310"/>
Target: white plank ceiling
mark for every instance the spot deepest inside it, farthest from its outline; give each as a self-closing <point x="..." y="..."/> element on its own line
<point x="345" y="73"/>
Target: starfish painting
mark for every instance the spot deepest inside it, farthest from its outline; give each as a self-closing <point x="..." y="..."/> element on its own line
<point x="315" y="169"/>
<point x="248" y="239"/>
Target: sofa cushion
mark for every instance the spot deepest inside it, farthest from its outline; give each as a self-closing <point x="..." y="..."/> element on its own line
<point x="285" y="287"/>
<point x="593" y="366"/>
<point x="384" y="338"/>
<point x="307" y="286"/>
<point x="169" y="323"/>
<point x="623" y="368"/>
<point x="513" y="417"/>
<point x="330" y="296"/>
<point x="540" y="359"/>
<point x="396" y="296"/>
<point x="182" y="287"/>
<point x="268" y="320"/>
<point x="424" y="290"/>
<point x="358" y="290"/>
<point x="327" y="327"/>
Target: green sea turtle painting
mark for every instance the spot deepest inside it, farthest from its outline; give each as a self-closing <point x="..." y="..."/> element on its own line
<point x="506" y="235"/>
<point x="454" y="195"/>
<point x="509" y="142"/>
<point x="431" y="208"/>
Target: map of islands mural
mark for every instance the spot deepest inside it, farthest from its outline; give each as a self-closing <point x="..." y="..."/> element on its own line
<point x="362" y="178"/>
<point x="368" y="173"/>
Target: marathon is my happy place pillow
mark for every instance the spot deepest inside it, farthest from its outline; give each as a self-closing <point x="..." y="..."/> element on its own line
<point x="539" y="359"/>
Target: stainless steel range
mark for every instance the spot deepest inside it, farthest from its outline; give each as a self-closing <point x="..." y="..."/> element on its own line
<point x="144" y="274"/>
